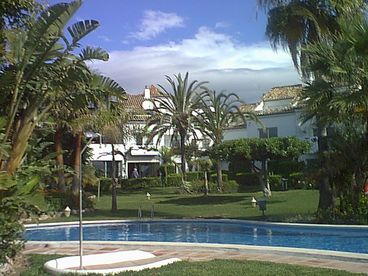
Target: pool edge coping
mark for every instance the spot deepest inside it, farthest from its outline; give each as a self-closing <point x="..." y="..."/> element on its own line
<point x="306" y="251"/>
<point x="50" y="224"/>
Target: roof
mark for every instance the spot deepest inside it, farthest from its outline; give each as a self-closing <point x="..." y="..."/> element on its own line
<point x="247" y="107"/>
<point x="134" y="101"/>
<point x="283" y="92"/>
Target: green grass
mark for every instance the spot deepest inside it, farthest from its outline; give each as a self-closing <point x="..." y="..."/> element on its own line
<point x="290" y="206"/>
<point x="215" y="267"/>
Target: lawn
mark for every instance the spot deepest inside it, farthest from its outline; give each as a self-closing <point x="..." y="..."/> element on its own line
<point x="289" y="206"/>
<point x="216" y="267"/>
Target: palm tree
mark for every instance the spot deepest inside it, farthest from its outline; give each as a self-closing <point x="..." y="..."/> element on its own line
<point x="206" y="165"/>
<point x="218" y="112"/>
<point x="292" y="24"/>
<point x="166" y="159"/>
<point x="175" y="112"/>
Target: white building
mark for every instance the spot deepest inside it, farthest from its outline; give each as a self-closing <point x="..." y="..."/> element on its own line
<point x="278" y="110"/>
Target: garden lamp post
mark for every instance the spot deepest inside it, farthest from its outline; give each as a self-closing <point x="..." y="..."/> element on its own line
<point x="81" y="202"/>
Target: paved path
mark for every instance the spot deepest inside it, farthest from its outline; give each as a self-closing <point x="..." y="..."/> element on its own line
<point x="205" y="253"/>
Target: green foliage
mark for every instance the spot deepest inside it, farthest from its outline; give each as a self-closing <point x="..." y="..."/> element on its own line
<point x="10" y="228"/>
<point x="140" y="183"/>
<point x="174" y="180"/>
<point x="197" y="186"/>
<point x="296" y="181"/>
<point x="57" y="200"/>
<point x="276" y="182"/>
<point x="213" y="177"/>
<point x="105" y="184"/>
<point x="190" y="176"/>
<point x="246" y="179"/>
<point x="285" y="167"/>
<point x="261" y="149"/>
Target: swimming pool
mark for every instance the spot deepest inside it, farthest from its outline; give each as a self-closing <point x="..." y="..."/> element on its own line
<point x="346" y="239"/>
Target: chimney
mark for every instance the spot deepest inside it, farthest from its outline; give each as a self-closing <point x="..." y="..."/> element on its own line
<point x="147" y="93"/>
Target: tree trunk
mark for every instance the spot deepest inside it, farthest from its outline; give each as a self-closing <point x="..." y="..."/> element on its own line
<point x="182" y="152"/>
<point x="165" y="167"/>
<point x="205" y="183"/>
<point x="219" y="175"/>
<point x="59" y="159"/>
<point x="114" y="206"/>
<point x="325" y="192"/>
<point x="77" y="163"/>
<point x="20" y="144"/>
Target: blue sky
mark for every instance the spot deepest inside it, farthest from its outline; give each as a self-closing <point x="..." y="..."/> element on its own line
<point x="219" y="41"/>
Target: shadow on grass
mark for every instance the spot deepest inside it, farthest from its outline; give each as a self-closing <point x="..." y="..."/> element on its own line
<point x="204" y="200"/>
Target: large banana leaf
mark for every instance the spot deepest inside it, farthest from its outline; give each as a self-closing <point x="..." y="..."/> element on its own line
<point x="80" y="29"/>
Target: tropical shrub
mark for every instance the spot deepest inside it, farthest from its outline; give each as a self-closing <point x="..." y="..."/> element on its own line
<point x="230" y="186"/>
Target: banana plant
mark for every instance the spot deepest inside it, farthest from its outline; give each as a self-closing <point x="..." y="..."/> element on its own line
<point x="42" y="66"/>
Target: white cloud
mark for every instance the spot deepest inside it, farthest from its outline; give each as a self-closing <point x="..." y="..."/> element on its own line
<point x="248" y="70"/>
<point x="156" y="22"/>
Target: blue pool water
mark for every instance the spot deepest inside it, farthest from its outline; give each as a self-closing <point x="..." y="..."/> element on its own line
<point x="347" y="239"/>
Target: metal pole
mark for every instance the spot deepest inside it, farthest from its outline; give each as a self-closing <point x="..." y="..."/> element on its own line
<point x="81" y="207"/>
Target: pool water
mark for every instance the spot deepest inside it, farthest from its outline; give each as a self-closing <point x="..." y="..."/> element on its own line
<point x="349" y="239"/>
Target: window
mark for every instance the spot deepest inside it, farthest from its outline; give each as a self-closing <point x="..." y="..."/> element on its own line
<point x="268" y="132"/>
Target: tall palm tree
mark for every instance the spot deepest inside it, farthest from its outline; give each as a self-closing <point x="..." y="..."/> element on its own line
<point x="175" y="113"/>
<point x="218" y="112"/>
<point x="292" y="24"/>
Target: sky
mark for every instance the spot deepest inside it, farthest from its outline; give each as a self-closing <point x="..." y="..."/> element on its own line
<point x="222" y="42"/>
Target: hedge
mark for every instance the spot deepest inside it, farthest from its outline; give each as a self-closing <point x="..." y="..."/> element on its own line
<point x="174" y="180"/>
<point x="285" y="167"/>
<point x="197" y="186"/>
<point x="141" y="183"/>
<point x="276" y="182"/>
<point x="213" y="177"/>
<point x="246" y="179"/>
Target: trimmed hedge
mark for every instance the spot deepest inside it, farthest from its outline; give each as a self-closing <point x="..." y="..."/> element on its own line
<point x="197" y="186"/>
<point x="191" y="176"/>
<point x="140" y="183"/>
<point x="285" y="167"/>
<point x="174" y="180"/>
<point x="247" y="179"/>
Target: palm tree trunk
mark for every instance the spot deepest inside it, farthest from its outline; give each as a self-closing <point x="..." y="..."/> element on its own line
<point x="182" y="152"/>
<point x="59" y="159"/>
<point x="165" y="167"/>
<point x="219" y="175"/>
<point x="114" y="206"/>
<point x="205" y="183"/>
<point x="77" y="163"/>
<point x="325" y="191"/>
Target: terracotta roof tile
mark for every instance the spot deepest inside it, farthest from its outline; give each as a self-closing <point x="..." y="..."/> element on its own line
<point x="134" y="101"/>
<point x="283" y="92"/>
<point x="248" y="107"/>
